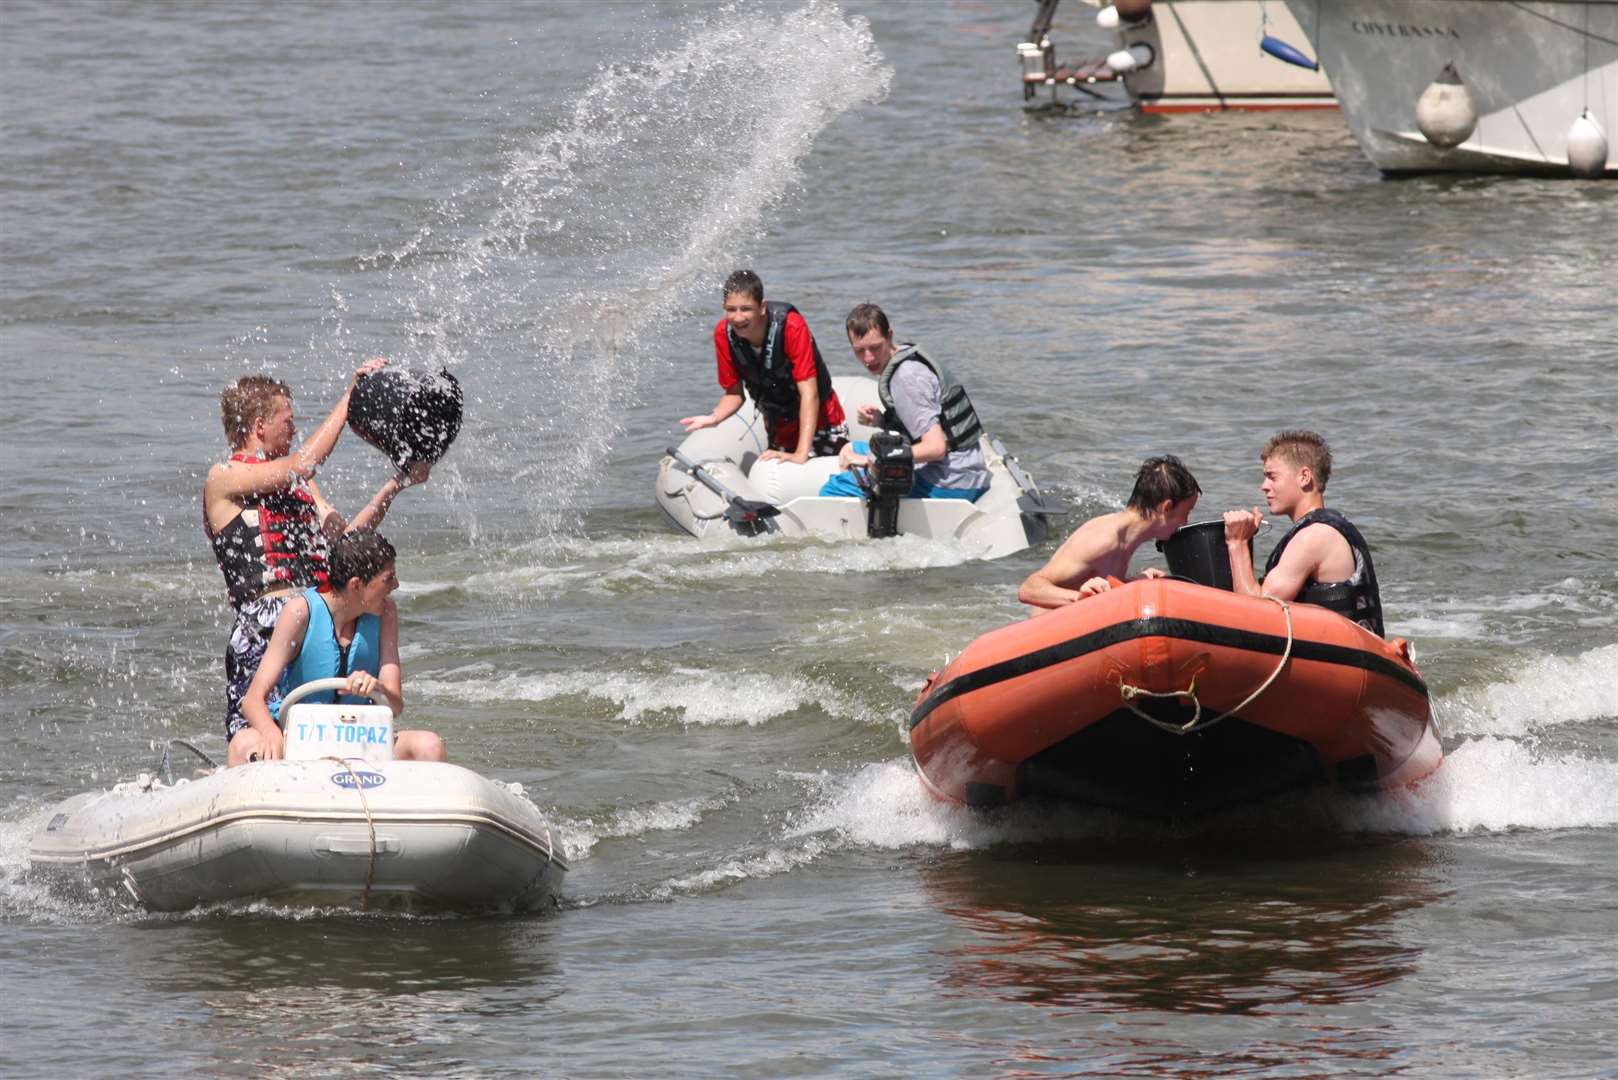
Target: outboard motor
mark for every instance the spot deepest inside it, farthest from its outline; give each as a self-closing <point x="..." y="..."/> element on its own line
<point x="886" y="480"/>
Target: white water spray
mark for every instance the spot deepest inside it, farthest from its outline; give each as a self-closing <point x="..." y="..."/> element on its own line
<point x="598" y="233"/>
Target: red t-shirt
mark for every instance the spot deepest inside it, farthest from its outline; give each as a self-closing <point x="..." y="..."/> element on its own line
<point x="800" y="349"/>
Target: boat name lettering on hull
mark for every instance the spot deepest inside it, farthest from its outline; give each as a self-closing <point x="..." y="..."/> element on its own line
<point x="366" y="779"/>
<point x="1386" y="29"/>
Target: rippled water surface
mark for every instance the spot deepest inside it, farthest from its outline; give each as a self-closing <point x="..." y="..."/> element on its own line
<point x="545" y="198"/>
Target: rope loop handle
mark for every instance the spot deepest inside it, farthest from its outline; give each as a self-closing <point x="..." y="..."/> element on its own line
<point x="1129" y="693"/>
<point x="370" y="866"/>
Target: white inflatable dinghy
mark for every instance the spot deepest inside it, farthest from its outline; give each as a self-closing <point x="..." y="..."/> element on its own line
<point x="714" y="482"/>
<point x="351" y="827"/>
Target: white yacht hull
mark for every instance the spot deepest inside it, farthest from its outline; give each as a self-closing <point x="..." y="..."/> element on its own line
<point x="1531" y="69"/>
<point x="1007" y="518"/>
<point x="391" y="835"/>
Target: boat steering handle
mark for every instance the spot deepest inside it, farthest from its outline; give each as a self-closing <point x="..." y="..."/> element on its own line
<point x="318" y="686"/>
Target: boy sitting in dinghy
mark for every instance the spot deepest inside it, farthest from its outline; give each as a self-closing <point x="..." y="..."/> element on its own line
<point x="1164" y="495"/>
<point x="266" y="519"/>
<point x="767" y="347"/>
<point x="1323" y="559"/>
<point x="351" y="631"/>
<point x="924" y="401"/>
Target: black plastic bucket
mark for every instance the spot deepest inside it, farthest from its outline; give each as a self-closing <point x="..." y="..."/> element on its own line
<point x="1197" y="551"/>
<point x="408" y="414"/>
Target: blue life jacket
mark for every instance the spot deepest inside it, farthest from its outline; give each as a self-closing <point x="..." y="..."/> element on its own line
<point x="321" y="657"/>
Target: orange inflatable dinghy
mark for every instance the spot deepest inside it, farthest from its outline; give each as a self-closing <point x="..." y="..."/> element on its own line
<point x="1168" y="698"/>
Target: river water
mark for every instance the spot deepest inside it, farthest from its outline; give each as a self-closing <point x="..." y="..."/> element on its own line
<point x="546" y="198"/>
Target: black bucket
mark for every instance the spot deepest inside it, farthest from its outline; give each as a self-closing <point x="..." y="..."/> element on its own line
<point x="1197" y="551"/>
<point x="410" y="415"/>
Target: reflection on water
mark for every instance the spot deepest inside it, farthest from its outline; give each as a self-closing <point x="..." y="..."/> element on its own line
<point x="1219" y="928"/>
<point x="377" y="994"/>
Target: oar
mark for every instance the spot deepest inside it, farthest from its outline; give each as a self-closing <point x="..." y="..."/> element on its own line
<point x="745" y="514"/>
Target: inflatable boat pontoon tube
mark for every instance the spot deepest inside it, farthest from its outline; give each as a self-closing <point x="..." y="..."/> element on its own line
<point x="1121" y="700"/>
<point x="1009" y="517"/>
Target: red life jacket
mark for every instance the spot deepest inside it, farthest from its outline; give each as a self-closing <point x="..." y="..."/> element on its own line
<point x="274" y="543"/>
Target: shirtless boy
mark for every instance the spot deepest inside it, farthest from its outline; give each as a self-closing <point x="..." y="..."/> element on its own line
<point x="1165" y="493"/>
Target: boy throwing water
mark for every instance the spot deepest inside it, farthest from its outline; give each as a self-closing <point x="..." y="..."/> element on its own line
<point x="266" y="519"/>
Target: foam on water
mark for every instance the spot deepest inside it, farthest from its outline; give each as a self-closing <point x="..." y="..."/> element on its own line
<point x="1493" y="784"/>
<point x="655" y="561"/>
<point x="1543" y="692"/>
<point x="768" y="863"/>
<point x="698" y="697"/>
<point x="1485" y="785"/>
<point x="1509" y="619"/>
<point x="580" y="835"/>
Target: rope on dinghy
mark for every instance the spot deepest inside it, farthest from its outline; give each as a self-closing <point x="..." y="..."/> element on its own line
<point x="168" y="777"/>
<point x="370" y="864"/>
<point x="1196" y="723"/>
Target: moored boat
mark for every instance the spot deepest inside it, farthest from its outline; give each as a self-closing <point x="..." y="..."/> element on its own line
<point x="1186" y="56"/>
<point x="1473" y="85"/>
<point x="1169" y="698"/>
<point x="329" y="831"/>
<point x="714" y="483"/>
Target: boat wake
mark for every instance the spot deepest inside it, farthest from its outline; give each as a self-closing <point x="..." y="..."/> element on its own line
<point x="689" y="697"/>
<point x="1544" y="692"/>
<point x="1533" y="751"/>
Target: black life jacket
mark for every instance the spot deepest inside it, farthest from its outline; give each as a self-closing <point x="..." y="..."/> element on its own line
<point x="273" y="543"/>
<point x="955" y="415"/>
<point x="767" y="373"/>
<point x="1361" y="601"/>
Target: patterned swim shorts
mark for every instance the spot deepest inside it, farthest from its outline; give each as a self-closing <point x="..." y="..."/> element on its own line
<point x="826" y="443"/>
<point x="829" y="440"/>
<point x="249" y="638"/>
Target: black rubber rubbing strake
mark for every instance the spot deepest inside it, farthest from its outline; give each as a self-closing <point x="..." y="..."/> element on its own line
<point x="1162" y="626"/>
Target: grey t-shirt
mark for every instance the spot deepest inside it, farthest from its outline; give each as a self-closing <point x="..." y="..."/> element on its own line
<point x="917" y="398"/>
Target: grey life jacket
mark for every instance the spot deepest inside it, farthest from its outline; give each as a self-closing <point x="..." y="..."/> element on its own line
<point x="956" y="415"/>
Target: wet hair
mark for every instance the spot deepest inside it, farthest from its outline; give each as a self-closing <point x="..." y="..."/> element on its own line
<point x="248" y="400"/>
<point x="865" y="318"/>
<point x="745" y="282"/>
<point x="363" y="554"/>
<point x="1162" y="478"/>
<point x="1301" y="449"/>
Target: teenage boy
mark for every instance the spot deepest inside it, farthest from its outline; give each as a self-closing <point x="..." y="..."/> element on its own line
<point x="1164" y="495"/>
<point x="924" y="401"/>
<point x="350" y="630"/>
<point x="1323" y="559"/>
<point x="766" y="347"/>
<point x="266" y="519"/>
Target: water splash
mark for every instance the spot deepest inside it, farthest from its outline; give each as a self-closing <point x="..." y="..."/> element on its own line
<point x="1542" y="693"/>
<point x="697" y="698"/>
<point x="544" y="283"/>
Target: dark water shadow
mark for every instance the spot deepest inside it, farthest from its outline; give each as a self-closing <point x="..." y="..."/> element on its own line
<point x="243" y="994"/>
<point x="380" y="955"/>
<point x="1239" y="924"/>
